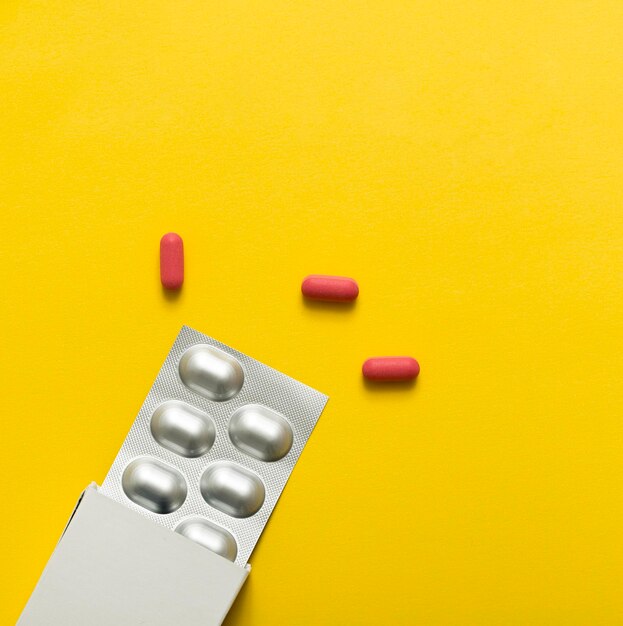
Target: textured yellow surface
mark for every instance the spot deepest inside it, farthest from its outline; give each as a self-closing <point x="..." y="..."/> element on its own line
<point x="462" y="160"/>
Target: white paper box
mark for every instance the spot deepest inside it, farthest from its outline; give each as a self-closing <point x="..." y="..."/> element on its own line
<point x="114" y="567"/>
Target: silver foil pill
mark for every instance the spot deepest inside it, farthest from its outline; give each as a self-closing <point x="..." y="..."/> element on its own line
<point x="210" y="536"/>
<point x="154" y="485"/>
<point x="183" y="429"/>
<point x="211" y="372"/>
<point x="260" y="432"/>
<point x="213" y="445"/>
<point x="232" y="489"/>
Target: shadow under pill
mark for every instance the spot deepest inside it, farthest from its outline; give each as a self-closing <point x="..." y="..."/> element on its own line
<point x="391" y="386"/>
<point x="325" y="305"/>
<point x="172" y="295"/>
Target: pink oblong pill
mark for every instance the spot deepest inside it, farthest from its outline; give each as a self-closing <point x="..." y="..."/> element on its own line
<point x="171" y="261"/>
<point x="330" y="288"/>
<point x="391" y="368"/>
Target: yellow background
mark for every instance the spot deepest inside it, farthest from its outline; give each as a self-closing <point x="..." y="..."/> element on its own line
<point x="462" y="160"/>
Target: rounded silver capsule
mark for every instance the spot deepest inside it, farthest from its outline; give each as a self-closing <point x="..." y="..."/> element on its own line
<point x="211" y="372"/>
<point x="183" y="429"/>
<point x="232" y="489"/>
<point x="153" y="485"/>
<point x="260" y="432"/>
<point x="210" y="536"/>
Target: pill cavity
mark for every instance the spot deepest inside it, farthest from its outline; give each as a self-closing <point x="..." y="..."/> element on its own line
<point x="183" y="429"/>
<point x="210" y="536"/>
<point x="171" y="261"/>
<point x="391" y="368"/>
<point x="153" y="485"/>
<point x="330" y="288"/>
<point x="232" y="489"/>
<point x="211" y="372"/>
<point x="260" y="432"/>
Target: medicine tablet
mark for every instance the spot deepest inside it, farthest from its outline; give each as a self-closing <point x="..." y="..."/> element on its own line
<point x="232" y="489"/>
<point x="211" y="372"/>
<point x="171" y="261"/>
<point x="210" y="536"/>
<point x="260" y="432"/>
<point x="391" y="368"/>
<point x="154" y="485"/>
<point x="330" y="288"/>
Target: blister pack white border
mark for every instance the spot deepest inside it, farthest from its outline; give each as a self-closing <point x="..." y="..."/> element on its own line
<point x="299" y="404"/>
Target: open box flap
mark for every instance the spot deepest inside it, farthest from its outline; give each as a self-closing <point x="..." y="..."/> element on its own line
<point x="114" y="566"/>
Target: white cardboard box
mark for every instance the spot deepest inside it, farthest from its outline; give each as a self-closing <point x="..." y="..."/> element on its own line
<point x="114" y="567"/>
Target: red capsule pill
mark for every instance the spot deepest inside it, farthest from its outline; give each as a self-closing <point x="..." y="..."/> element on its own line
<point x="391" y="368"/>
<point x="330" y="288"/>
<point x="171" y="261"/>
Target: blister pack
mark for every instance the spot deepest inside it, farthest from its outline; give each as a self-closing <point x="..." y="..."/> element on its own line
<point x="213" y="445"/>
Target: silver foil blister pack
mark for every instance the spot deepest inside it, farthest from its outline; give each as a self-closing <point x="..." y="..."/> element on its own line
<point x="213" y="445"/>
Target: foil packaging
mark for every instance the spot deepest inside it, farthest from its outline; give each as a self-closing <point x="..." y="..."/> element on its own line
<point x="213" y="445"/>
